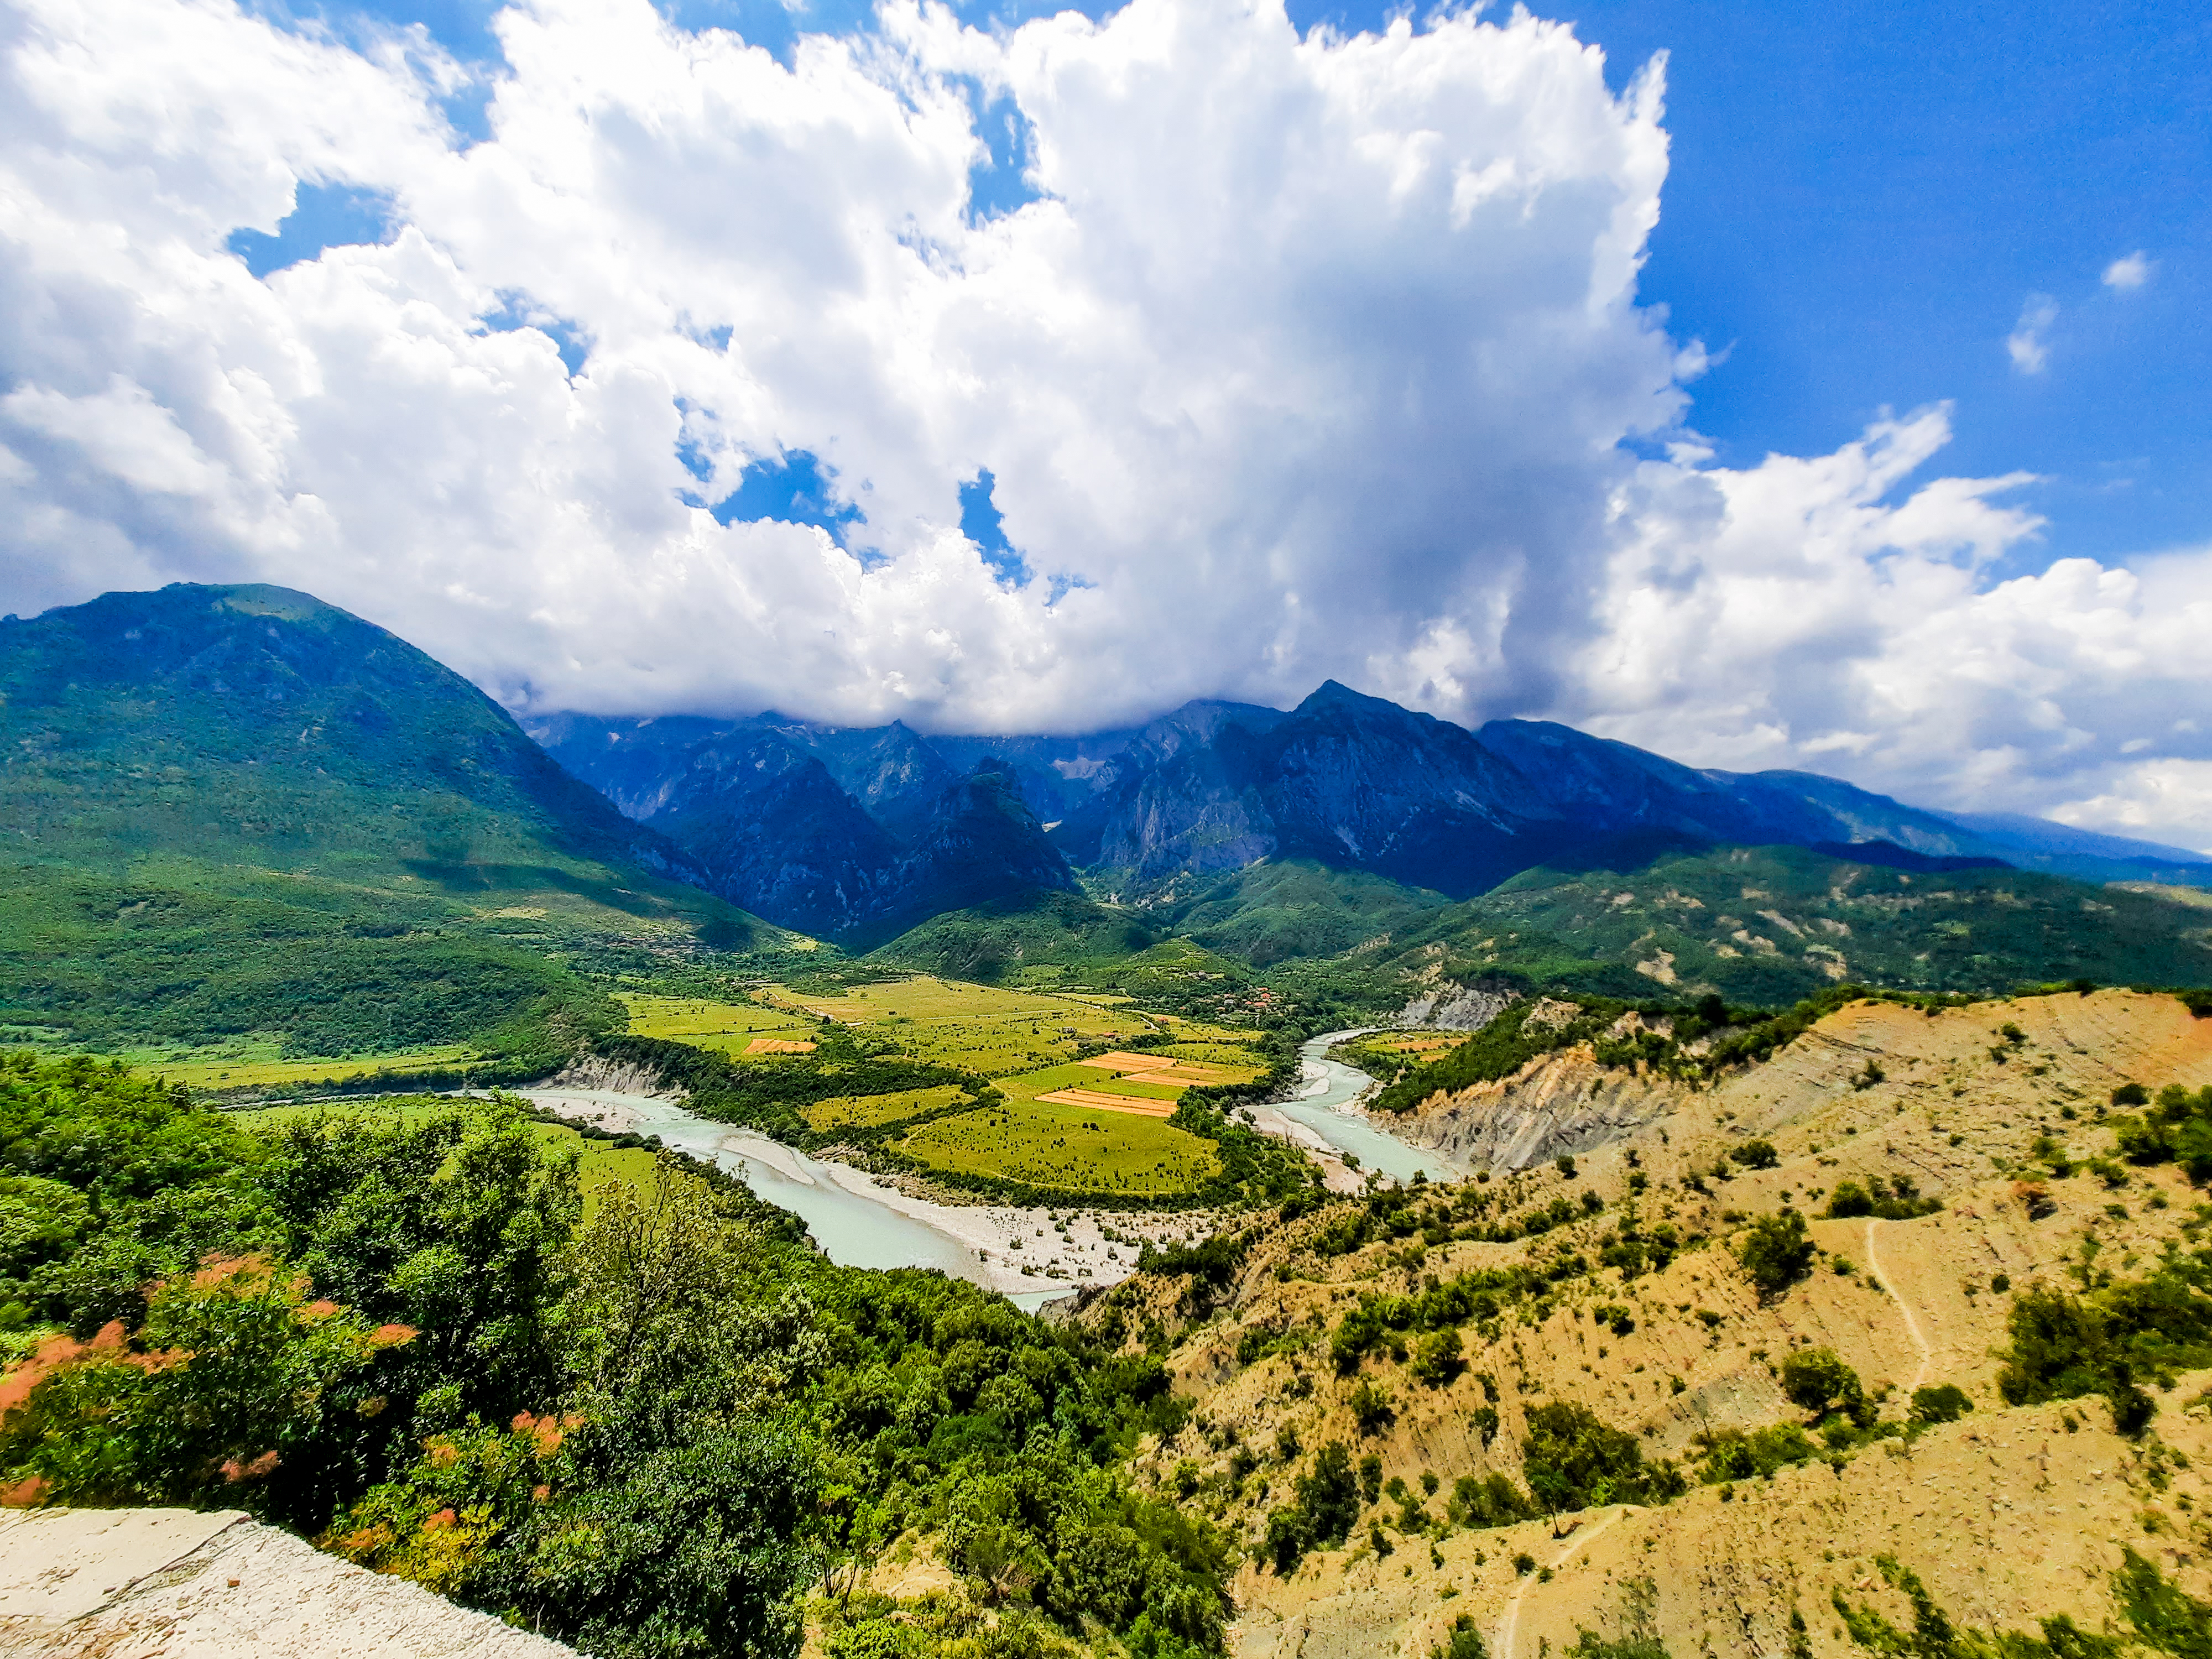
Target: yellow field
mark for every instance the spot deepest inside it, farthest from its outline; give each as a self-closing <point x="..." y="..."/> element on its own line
<point x="984" y="1029"/>
<point x="1068" y="1148"/>
<point x="1106" y="1103"/>
<point x="1032" y="1085"/>
<point x="1422" y="1043"/>
<point x="728" y="1028"/>
<point x="865" y="1111"/>
<point x="253" y="1063"/>
<point x="1199" y="1031"/>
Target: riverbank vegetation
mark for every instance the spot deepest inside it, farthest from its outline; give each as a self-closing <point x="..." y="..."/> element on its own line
<point x="655" y="1430"/>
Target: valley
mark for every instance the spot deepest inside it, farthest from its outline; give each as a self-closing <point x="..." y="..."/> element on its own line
<point x="1316" y="1181"/>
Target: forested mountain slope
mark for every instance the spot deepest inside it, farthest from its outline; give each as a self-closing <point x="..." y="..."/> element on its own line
<point x="237" y="809"/>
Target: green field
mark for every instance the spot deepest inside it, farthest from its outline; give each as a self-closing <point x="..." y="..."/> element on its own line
<point x="1029" y="1085"/>
<point x="725" y="1027"/>
<point x="1230" y="1056"/>
<point x="1068" y="1149"/>
<point x="986" y="1030"/>
<point x="872" y="1112"/>
<point x="256" y="1061"/>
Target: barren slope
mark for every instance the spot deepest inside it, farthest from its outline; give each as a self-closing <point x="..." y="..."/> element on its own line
<point x="2008" y="1515"/>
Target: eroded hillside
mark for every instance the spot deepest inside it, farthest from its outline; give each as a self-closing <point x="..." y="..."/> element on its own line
<point x="1502" y="1362"/>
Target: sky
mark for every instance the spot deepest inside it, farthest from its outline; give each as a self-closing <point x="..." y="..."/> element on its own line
<point x="1768" y="386"/>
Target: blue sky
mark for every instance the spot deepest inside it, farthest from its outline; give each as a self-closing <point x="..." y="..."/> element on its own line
<point x="1862" y="201"/>
<point x="710" y="383"/>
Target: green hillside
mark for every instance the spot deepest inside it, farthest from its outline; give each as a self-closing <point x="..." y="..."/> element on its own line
<point x="993" y="943"/>
<point x="229" y="810"/>
<point x="1769" y="925"/>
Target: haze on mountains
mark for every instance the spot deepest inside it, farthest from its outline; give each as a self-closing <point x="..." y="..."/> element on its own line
<point x="842" y="831"/>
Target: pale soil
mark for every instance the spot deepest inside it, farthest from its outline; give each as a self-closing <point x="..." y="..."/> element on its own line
<point x="2001" y="1514"/>
<point x="2007" y="1519"/>
<point x="139" y="1583"/>
<point x="2077" y="1050"/>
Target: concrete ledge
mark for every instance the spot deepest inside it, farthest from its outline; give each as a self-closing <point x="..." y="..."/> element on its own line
<point x="183" y="1584"/>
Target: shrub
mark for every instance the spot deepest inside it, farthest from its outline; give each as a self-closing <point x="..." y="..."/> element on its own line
<point x="1756" y="1155"/>
<point x="1944" y="1403"/>
<point x="1572" y="1460"/>
<point x="1465" y="1642"/>
<point x="1777" y="1252"/>
<point x="1490" y="1501"/>
<point x="1732" y="1455"/>
<point x="1898" y="1200"/>
<point x="1327" y="1505"/>
<point x="1372" y="1408"/>
<point x="1436" y="1361"/>
<point x="1818" y="1382"/>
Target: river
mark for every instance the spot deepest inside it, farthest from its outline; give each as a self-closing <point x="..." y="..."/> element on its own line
<point x="857" y="1222"/>
<point x="1324" y="1105"/>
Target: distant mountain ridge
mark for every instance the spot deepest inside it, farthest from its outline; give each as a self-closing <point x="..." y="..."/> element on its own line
<point x="1347" y="781"/>
<point x="852" y="834"/>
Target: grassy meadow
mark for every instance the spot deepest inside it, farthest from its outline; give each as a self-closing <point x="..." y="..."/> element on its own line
<point x="982" y="1028"/>
<point x="728" y="1028"/>
<point x="1068" y="1148"/>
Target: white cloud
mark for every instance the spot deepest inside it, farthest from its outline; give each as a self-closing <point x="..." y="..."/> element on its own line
<point x="1314" y="358"/>
<point x="2027" y="345"/>
<point x="2130" y="271"/>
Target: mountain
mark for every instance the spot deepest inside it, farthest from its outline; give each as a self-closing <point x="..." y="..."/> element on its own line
<point x="1393" y="812"/>
<point x="1768" y="925"/>
<point x="2039" y="844"/>
<point x="774" y="832"/>
<point x="238" y="810"/>
<point x="851" y="833"/>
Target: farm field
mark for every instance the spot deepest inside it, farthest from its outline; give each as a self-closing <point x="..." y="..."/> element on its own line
<point x="993" y="1031"/>
<point x="1067" y="1148"/>
<point x="1089" y="1126"/>
<point x="867" y="1111"/>
<point x="728" y="1028"/>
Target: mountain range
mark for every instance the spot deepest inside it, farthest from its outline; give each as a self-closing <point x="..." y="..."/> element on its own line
<point x="851" y="832"/>
<point x="235" y="811"/>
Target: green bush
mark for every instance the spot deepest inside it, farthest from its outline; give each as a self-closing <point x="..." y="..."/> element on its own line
<point x="1572" y="1460"/>
<point x="1777" y="1252"/>
<point x="1898" y="1200"/>
<point x="1819" y="1383"/>
<point x="1943" y="1402"/>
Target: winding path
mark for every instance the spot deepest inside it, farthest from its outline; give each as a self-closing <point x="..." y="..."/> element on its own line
<point x="1911" y="1325"/>
<point x="1513" y="1608"/>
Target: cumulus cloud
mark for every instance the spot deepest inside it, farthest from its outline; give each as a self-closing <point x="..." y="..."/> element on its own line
<point x="1309" y="356"/>
<point x="2028" y="345"/>
<point x="2130" y="271"/>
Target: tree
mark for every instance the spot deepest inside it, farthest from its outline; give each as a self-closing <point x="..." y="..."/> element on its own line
<point x="1777" y="1252"/>
<point x="234" y="1374"/>
<point x="1818" y="1382"/>
<point x="1437" y="1360"/>
<point x="1572" y="1460"/>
